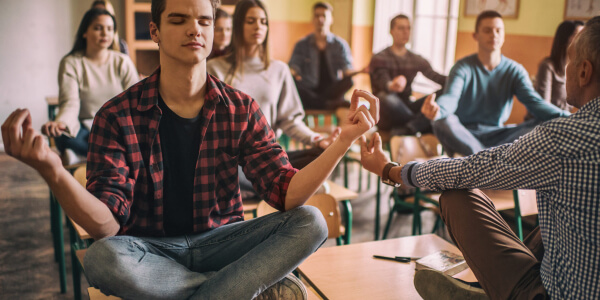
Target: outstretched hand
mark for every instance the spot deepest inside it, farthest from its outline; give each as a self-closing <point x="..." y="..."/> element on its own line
<point x="22" y="142"/>
<point x="360" y="118"/>
<point x="372" y="156"/>
<point x="430" y="108"/>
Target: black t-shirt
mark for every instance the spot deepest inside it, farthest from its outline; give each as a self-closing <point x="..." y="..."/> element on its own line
<point x="325" y="80"/>
<point x="180" y="144"/>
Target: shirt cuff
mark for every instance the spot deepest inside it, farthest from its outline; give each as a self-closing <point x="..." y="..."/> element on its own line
<point x="409" y="174"/>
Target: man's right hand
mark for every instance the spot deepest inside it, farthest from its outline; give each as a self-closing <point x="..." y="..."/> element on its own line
<point x="53" y="128"/>
<point x="430" y="108"/>
<point x="398" y="84"/>
<point x="22" y="142"/>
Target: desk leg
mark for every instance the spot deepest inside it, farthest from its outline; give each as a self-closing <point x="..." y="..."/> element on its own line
<point x="377" y="201"/>
<point x="348" y="211"/>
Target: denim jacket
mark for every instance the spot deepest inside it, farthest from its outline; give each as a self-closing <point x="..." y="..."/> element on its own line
<point x="305" y="58"/>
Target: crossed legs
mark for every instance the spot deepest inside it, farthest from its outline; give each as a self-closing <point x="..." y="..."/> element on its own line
<point x="235" y="261"/>
<point x="505" y="267"/>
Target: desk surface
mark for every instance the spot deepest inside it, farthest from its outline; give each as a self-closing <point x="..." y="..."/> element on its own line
<point x="351" y="272"/>
<point x="52" y="100"/>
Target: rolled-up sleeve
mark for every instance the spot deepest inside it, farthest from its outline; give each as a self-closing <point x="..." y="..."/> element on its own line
<point x="107" y="169"/>
<point x="264" y="162"/>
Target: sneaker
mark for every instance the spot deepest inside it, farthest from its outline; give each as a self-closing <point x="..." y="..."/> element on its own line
<point x="289" y="288"/>
<point x="432" y="284"/>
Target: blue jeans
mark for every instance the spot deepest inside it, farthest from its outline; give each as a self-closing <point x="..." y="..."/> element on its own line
<point x="78" y="144"/>
<point x="470" y="139"/>
<point x="234" y="261"/>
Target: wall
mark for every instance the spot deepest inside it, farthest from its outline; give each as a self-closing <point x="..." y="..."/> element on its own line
<point x="36" y="34"/>
<point x="528" y="38"/>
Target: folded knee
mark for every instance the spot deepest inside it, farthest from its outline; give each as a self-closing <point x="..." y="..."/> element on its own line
<point x="312" y="221"/>
<point x="460" y="200"/>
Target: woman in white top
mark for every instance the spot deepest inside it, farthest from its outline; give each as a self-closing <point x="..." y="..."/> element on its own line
<point x="250" y="69"/>
<point x="88" y="76"/>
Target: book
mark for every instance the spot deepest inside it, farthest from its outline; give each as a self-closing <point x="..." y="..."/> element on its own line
<point x="443" y="261"/>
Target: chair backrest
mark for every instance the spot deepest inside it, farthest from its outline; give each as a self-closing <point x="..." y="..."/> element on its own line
<point x="324" y="202"/>
<point x="408" y="148"/>
<point x="79" y="174"/>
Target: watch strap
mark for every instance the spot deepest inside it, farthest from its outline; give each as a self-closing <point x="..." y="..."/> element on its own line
<point x="385" y="176"/>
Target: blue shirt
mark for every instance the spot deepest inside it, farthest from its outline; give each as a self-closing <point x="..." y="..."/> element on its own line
<point x="477" y="95"/>
<point x="560" y="159"/>
<point x="305" y="58"/>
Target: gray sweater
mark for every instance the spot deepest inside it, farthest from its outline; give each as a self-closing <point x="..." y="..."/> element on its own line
<point x="274" y="91"/>
<point x="83" y="86"/>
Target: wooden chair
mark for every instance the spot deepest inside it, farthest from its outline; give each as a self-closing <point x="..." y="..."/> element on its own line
<point x="404" y="149"/>
<point x="328" y="206"/>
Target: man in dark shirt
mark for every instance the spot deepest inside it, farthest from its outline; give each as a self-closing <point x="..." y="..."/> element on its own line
<point x="181" y="133"/>
<point x="392" y="73"/>
<point x="322" y="64"/>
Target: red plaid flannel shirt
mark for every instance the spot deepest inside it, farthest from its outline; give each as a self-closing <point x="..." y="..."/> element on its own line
<point x="125" y="169"/>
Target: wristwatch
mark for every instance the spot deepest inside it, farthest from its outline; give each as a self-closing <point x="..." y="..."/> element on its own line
<point x="385" y="176"/>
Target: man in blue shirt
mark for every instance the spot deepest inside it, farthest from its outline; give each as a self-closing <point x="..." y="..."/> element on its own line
<point x="478" y="96"/>
<point x="322" y="64"/>
<point x="560" y="159"/>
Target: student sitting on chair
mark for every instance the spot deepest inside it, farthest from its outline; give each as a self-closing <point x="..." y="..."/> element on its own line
<point x="88" y="76"/>
<point x="322" y="64"/>
<point x="223" y="28"/>
<point x="560" y="159"/>
<point x="392" y="73"/>
<point x="163" y="199"/>
<point x="250" y="68"/>
<point x="478" y="96"/>
<point x="550" y="78"/>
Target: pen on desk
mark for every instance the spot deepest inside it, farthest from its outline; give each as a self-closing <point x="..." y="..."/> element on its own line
<point x="397" y="258"/>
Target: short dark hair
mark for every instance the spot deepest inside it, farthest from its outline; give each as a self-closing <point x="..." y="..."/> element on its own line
<point x="324" y="5"/>
<point x="486" y="14"/>
<point x="158" y="7"/>
<point x="398" y="17"/>
<point x="89" y="17"/>
<point x="221" y="14"/>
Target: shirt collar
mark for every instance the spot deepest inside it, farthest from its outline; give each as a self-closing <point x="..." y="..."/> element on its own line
<point x="593" y="105"/>
<point x="149" y="97"/>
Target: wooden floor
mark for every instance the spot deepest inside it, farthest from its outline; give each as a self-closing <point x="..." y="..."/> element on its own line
<point x="27" y="266"/>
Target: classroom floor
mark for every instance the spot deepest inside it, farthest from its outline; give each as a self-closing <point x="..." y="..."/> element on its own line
<point x="27" y="266"/>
